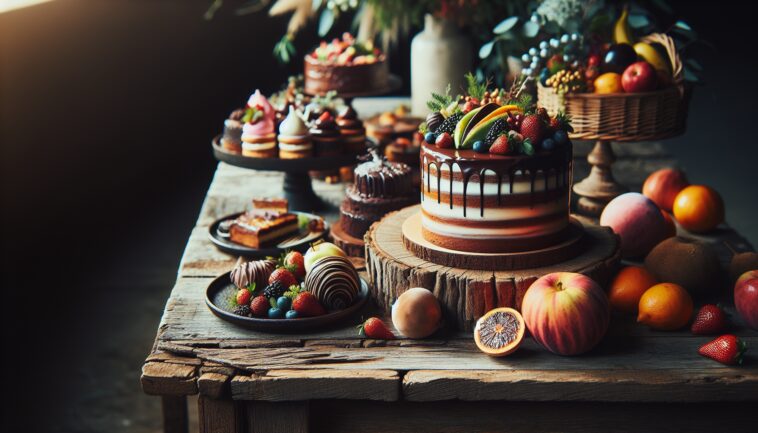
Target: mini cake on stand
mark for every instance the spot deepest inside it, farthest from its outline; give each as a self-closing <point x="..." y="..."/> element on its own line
<point x="379" y="187"/>
<point x="294" y="139"/>
<point x="258" y="136"/>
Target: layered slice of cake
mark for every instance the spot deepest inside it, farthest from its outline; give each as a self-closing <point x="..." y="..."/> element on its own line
<point x="267" y="222"/>
<point x="346" y="66"/>
<point x="379" y="187"/>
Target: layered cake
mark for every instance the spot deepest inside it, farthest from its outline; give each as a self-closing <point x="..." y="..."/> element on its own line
<point x="267" y="222"/>
<point x="231" y="138"/>
<point x="495" y="179"/>
<point x="346" y="66"/>
<point x="258" y="136"/>
<point x="294" y="139"/>
<point x="379" y="187"/>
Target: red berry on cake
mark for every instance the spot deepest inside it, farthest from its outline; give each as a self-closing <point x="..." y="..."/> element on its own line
<point x="307" y="305"/>
<point x="325" y="116"/>
<point x="243" y="296"/>
<point x="469" y="105"/>
<point x="501" y="146"/>
<point x="283" y="276"/>
<point x="259" y="306"/>
<point x="444" y="140"/>
<point x="533" y="128"/>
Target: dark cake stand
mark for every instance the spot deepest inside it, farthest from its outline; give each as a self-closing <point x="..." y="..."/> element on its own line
<point x="298" y="189"/>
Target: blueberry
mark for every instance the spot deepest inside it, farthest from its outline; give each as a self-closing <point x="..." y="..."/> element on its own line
<point x="283" y="303"/>
<point x="291" y="314"/>
<point x="480" y="147"/>
<point x="560" y="137"/>
<point x="544" y="75"/>
<point x="548" y="144"/>
<point x="430" y="137"/>
<point x="275" y="313"/>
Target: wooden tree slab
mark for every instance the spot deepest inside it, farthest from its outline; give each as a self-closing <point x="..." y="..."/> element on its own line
<point x="467" y="294"/>
<point x="351" y="245"/>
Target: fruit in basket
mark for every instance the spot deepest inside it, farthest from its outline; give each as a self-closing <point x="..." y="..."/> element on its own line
<point x="499" y="332"/>
<point x="618" y="58"/>
<point x="662" y="186"/>
<point x="610" y="82"/>
<point x="710" y="319"/>
<point x="665" y="306"/>
<point x="320" y="250"/>
<point x="639" y="77"/>
<point x="687" y="262"/>
<point x="638" y="222"/>
<point x="726" y="349"/>
<point x="628" y="286"/>
<point x="699" y="208"/>
<point x="746" y="298"/>
<point x="670" y="224"/>
<point x="373" y="327"/>
<point x="416" y="313"/>
<point x="742" y="263"/>
<point x="307" y="305"/>
<point x="622" y="33"/>
<point x="656" y="59"/>
<point x="565" y="312"/>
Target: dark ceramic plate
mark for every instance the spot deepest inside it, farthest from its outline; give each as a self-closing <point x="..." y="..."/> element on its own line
<point x="299" y="241"/>
<point x="221" y="292"/>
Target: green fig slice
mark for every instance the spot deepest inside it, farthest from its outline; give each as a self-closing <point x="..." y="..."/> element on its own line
<point x="481" y="113"/>
<point x="479" y="132"/>
<point x="461" y="126"/>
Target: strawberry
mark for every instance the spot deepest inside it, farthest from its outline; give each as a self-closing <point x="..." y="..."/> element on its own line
<point x="325" y="116"/>
<point x="709" y="320"/>
<point x="259" y="306"/>
<point x="284" y="276"/>
<point x="501" y="146"/>
<point x="307" y="305"/>
<point x="243" y="296"/>
<point x="295" y="263"/>
<point x="727" y="349"/>
<point x="469" y="105"/>
<point x="375" y="328"/>
<point x="533" y="128"/>
<point x="444" y="141"/>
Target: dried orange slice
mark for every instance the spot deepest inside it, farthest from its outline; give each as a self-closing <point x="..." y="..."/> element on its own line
<point x="499" y="332"/>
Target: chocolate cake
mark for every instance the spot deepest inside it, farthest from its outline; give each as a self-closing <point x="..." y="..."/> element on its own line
<point x="379" y="187"/>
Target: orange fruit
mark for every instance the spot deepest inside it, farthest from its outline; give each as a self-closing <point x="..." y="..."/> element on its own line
<point x="628" y="286"/>
<point x="699" y="208"/>
<point x="499" y="332"/>
<point x="610" y="82"/>
<point x="665" y="306"/>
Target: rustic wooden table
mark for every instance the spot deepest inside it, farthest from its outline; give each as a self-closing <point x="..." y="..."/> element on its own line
<point x="335" y="381"/>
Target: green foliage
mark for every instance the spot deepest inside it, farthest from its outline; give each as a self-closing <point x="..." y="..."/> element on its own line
<point x="440" y="102"/>
<point x="474" y="88"/>
<point x="284" y="50"/>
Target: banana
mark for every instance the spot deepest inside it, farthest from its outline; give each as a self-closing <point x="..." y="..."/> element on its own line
<point x="654" y="57"/>
<point x="622" y="33"/>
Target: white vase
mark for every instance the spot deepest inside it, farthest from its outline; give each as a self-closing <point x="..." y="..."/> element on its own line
<point x="440" y="55"/>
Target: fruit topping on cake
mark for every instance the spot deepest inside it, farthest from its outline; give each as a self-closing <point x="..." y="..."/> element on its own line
<point x="346" y="51"/>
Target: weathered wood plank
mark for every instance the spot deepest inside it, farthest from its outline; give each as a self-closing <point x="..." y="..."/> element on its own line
<point x="219" y="416"/>
<point x="289" y="385"/>
<point x="164" y="378"/>
<point x="174" y="410"/>
<point x="213" y="385"/>
<point x="616" y="385"/>
<point x="277" y="417"/>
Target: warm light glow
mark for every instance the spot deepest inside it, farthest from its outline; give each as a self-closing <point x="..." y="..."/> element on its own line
<point x="9" y="5"/>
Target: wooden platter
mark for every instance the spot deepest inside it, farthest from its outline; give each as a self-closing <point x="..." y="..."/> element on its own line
<point x="351" y="245"/>
<point x="467" y="294"/>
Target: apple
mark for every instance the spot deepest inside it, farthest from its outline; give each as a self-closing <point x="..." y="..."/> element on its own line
<point x="746" y="298"/>
<point x="639" y="77"/>
<point x="320" y="250"/>
<point x="663" y="185"/>
<point x="565" y="312"/>
<point x="638" y="222"/>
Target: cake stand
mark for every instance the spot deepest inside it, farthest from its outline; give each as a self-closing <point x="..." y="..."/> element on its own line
<point x="468" y="285"/>
<point x="298" y="189"/>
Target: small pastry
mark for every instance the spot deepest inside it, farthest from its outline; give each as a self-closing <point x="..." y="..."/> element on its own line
<point x="404" y="150"/>
<point x="258" y="137"/>
<point x="280" y="205"/>
<point x="334" y="281"/>
<point x="231" y="139"/>
<point x="294" y="140"/>
<point x="352" y="132"/>
<point x="257" y="271"/>
<point x="326" y="136"/>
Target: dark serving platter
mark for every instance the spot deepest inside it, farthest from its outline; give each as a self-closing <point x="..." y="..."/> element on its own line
<point x="221" y="291"/>
<point x="300" y="243"/>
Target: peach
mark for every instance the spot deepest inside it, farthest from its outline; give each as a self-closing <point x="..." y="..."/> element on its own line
<point x="638" y="222"/>
<point x="663" y="185"/>
<point x="416" y="313"/>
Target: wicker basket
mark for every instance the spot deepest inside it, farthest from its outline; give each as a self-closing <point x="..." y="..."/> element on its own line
<point x="626" y="116"/>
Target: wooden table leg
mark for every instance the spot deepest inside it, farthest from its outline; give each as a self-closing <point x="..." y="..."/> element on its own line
<point x="597" y="189"/>
<point x="174" y="414"/>
<point x="219" y="415"/>
<point x="277" y="417"/>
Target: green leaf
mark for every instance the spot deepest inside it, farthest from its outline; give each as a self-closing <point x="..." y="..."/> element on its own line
<point x="682" y="25"/>
<point x="505" y="25"/>
<point x="486" y="50"/>
<point x="272" y="302"/>
<point x="694" y="65"/>
<point x="531" y="29"/>
<point x="527" y="148"/>
<point x="637" y="21"/>
<point x="325" y="22"/>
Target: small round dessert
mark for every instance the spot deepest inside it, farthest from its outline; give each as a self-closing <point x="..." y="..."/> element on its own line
<point x="294" y="140"/>
<point x="258" y="137"/>
<point x="247" y="273"/>
<point x="326" y="136"/>
<point x="334" y="281"/>
<point x="352" y="132"/>
<point x="231" y="139"/>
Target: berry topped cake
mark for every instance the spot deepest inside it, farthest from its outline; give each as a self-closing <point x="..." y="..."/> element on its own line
<point x="346" y="66"/>
<point x="496" y="174"/>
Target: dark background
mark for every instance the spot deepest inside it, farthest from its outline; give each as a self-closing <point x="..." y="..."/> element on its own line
<point x="106" y="111"/>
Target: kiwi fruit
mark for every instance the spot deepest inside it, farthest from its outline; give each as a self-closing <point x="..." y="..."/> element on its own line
<point x="692" y="264"/>
<point x="741" y="263"/>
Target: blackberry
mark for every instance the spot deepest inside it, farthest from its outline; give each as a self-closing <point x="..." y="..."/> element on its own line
<point x="498" y="128"/>
<point x="242" y="310"/>
<point x="274" y="290"/>
<point x="448" y="125"/>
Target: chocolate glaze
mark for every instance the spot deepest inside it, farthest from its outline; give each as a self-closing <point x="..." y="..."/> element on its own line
<point x="470" y="163"/>
<point x="381" y="178"/>
<point x="323" y="77"/>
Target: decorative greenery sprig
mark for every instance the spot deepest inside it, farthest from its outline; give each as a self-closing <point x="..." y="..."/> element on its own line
<point x="474" y="88"/>
<point x="440" y="102"/>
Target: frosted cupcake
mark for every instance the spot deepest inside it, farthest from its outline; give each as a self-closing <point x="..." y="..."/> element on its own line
<point x="258" y="137"/>
<point x="352" y="132"/>
<point x="294" y="139"/>
<point x="326" y="136"/>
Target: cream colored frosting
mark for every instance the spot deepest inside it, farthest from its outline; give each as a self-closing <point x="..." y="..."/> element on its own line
<point x="292" y="125"/>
